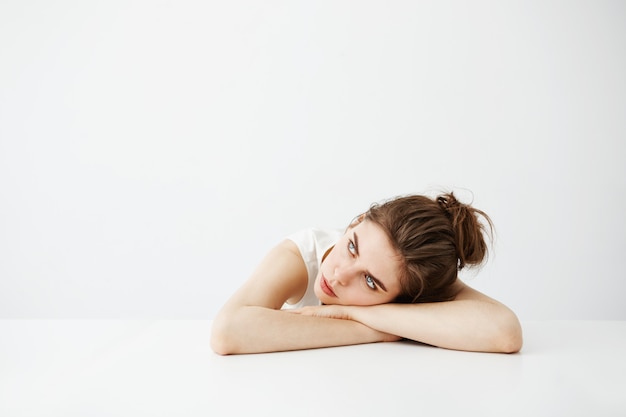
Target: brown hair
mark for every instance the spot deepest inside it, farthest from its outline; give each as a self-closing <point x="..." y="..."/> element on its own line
<point x="436" y="238"/>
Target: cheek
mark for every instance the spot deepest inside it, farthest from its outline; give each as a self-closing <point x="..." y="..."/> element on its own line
<point x="368" y="297"/>
<point x="360" y="297"/>
<point x="328" y="264"/>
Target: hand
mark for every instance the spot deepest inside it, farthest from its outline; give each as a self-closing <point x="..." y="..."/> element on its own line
<point x="340" y="312"/>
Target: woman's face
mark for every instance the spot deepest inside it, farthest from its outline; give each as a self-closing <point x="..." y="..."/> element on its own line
<point x="363" y="268"/>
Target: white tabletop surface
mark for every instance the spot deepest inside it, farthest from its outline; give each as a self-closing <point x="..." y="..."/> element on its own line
<point x="166" y="368"/>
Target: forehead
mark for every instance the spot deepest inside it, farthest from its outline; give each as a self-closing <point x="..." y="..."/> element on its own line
<point x="377" y="253"/>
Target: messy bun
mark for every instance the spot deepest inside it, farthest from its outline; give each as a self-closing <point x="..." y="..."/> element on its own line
<point x="436" y="238"/>
<point x="468" y="230"/>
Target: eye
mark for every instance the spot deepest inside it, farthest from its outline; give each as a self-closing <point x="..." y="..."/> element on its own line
<point x="370" y="282"/>
<point x="351" y="247"/>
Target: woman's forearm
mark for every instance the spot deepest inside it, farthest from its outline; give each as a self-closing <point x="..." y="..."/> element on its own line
<point x="253" y="329"/>
<point x="461" y="325"/>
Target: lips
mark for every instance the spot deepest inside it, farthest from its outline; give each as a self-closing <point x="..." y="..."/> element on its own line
<point x="327" y="288"/>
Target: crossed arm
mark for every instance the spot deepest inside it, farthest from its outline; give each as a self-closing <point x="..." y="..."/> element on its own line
<point x="472" y="321"/>
<point x="252" y="322"/>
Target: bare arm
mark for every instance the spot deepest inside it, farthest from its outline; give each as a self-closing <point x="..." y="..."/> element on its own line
<point x="254" y="329"/>
<point x="472" y="322"/>
<point x="251" y="321"/>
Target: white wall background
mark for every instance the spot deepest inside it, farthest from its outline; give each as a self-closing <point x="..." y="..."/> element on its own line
<point x="151" y="152"/>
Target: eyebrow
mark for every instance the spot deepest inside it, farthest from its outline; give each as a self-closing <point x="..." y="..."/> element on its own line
<point x="356" y="249"/>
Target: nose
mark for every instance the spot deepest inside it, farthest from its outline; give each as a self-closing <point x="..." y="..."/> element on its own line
<point x="343" y="274"/>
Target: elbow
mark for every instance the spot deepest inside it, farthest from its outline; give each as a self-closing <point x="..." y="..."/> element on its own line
<point x="511" y="343"/>
<point x="221" y="340"/>
<point x="510" y="339"/>
<point x="219" y="346"/>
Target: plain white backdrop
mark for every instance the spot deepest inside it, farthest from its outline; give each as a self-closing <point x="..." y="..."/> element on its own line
<point x="151" y="152"/>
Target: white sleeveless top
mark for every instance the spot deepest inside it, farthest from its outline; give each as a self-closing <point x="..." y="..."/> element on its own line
<point x="313" y="244"/>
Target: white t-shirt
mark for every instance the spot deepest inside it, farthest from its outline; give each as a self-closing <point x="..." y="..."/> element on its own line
<point x="313" y="244"/>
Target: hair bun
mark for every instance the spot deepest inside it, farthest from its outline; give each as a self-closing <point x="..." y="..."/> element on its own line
<point x="448" y="201"/>
<point x="468" y="230"/>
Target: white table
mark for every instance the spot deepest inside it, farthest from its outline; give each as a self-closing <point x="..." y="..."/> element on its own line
<point x="93" y="368"/>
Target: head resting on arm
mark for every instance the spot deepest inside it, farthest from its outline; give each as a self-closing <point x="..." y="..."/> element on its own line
<point x="435" y="238"/>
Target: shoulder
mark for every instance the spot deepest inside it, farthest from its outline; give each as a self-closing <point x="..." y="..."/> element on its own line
<point x="466" y="293"/>
<point x="279" y="276"/>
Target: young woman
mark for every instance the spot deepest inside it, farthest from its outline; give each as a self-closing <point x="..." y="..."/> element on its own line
<point x="391" y="275"/>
